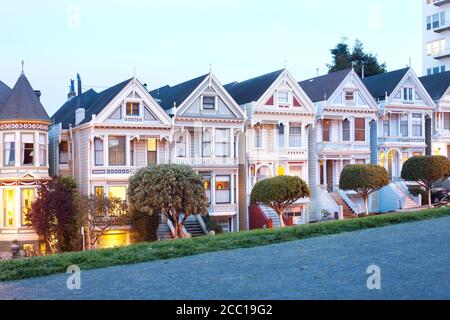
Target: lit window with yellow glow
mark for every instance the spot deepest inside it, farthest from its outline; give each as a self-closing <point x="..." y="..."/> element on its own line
<point x="151" y="151"/>
<point x="118" y="193"/>
<point x="281" y="171"/>
<point x="99" y="191"/>
<point x="9" y="204"/>
<point x="27" y="200"/>
<point x="382" y="162"/>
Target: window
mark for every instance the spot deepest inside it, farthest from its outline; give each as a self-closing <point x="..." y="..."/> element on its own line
<point x="132" y="147"/>
<point x="283" y="97"/>
<point x="349" y="96"/>
<point x="99" y="191"/>
<point x="436" y="47"/>
<point x="27" y="198"/>
<point x="118" y="193"/>
<point x="98" y="152"/>
<point x="42" y="150"/>
<point x="386" y="127"/>
<point x="408" y="94"/>
<point x="429" y="72"/>
<point x="360" y="129"/>
<point x="207" y="185"/>
<point x="27" y="149"/>
<point x="181" y="147"/>
<point x="295" y="136"/>
<point x="395" y="125"/>
<point x="296" y="170"/>
<point x="417" y="125"/>
<point x="281" y="135"/>
<point x="209" y="103"/>
<point x="9" y="201"/>
<point x="222" y="142"/>
<point x="223" y="191"/>
<point x="9" y="150"/>
<point x="326" y="130"/>
<point x="404" y="126"/>
<point x="436" y="21"/>
<point x="116" y="148"/>
<point x="132" y="109"/>
<point x="258" y="137"/>
<point x="152" y="152"/>
<point x="417" y="154"/>
<point x="346" y="130"/>
<point x="64" y="152"/>
<point x="206" y="144"/>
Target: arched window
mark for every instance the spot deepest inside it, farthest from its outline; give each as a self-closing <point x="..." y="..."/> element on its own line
<point x="382" y="161"/>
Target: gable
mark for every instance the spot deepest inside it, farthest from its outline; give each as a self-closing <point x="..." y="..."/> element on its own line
<point x="285" y="94"/>
<point x="133" y="105"/>
<point x="410" y="91"/>
<point x="210" y="100"/>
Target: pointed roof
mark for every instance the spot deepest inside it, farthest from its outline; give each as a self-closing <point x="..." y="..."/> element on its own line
<point x="384" y="83"/>
<point x="436" y="84"/>
<point x="167" y="96"/>
<point x="5" y="91"/>
<point x="253" y="89"/>
<point x="321" y="88"/>
<point x="23" y="103"/>
<point x="91" y="101"/>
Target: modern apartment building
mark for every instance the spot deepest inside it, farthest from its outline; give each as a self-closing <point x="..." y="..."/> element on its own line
<point x="436" y="36"/>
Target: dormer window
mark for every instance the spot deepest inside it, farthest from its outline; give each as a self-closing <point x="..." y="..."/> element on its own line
<point x="349" y="96"/>
<point x="132" y="109"/>
<point x="283" y="97"/>
<point x="408" y="94"/>
<point x="209" y="103"/>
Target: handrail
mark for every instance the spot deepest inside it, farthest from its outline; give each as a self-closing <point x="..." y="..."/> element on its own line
<point x="202" y="223"/>
<point x="355" y="208"/>
<point x="337" y="208"/>
<point x="402" y="185"/>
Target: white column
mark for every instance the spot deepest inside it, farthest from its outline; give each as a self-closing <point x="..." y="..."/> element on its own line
<point x="18" y="146"/>
<point x="231" y="142"/>
<point x="18" y="208"/>
<point x="409" y="125"/>
<point x="127" y="151"/>
<point x="352" y="129"/>
<point x="213" y="142"/>
<point x="304" y="137"/>
<point x="36" y="149"/>
<point x="286" y="135"/>
<point x="232" y="189"/>
<point x="325" y="182"/>
<point x="105" y="151"/>
<point x="213" y="188"/>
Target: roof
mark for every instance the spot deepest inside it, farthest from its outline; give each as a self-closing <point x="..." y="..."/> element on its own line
<point x="436" y="84"/>
<point x="91" y="101"/>
<point x="384" y="83"/>
<point x="167" y="96"/>
<point x="321" y="88"/>
<point x="252" y="90"/>
<point x="4" y="93"/>
<point x="23" y="103"/>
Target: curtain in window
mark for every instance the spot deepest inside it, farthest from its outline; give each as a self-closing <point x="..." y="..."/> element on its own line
<point x="404" y="125"/>
<point x="27" y="149"/>
<point x="346" y="130"/>
<point x="222" y="142"/>
<point x="417" y="125"/>
<point x="360" y="129"/>
<point x="117" y="151"/>
<point x="295" y="136"/>
<point x="223" y="191"/>
<point x="181" y="147"/>
<point x="326" y="128"/>
<point x="152" y="151"/>
<point x="98" y="152"/>
<point x="206" y="144"/>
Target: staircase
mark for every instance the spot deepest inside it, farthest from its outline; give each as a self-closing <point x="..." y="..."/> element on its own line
<point x="164" y="232"/>
<point x="409" y="203"/>
<point x="348" y="212"/>
<point x="270" y="213"/>
<point x="193" y="227"/>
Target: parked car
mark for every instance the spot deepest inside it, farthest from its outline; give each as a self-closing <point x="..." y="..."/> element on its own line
<point x="439" y="195"/>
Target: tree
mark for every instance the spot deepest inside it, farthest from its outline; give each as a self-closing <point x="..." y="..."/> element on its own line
<point x="344" y="59"/>
<point x="426" y="171"/>
<point x="99" y="215"/>
<point x="279" y="193"/>
<point x="174" y="191"/>
<point x="364" y="179"/>
<point x="52" y="215"/>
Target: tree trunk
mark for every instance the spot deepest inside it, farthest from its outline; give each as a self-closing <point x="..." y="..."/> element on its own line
<point x="430" y="204"/>
<point x="280" y="215"/>
<point x="176" y="226"/>
<point x="366" y="204"/>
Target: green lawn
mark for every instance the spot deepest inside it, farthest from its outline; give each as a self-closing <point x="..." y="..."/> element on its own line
<point x="41" y="266"/>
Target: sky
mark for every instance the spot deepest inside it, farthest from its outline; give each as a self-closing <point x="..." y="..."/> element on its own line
<point x="171" y="41"/>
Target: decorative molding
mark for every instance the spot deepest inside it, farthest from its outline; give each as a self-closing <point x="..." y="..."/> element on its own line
<point x="24" y="126"/>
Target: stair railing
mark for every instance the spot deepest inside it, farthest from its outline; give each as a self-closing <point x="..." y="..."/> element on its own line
<point x="402" y="185"/>
<point x="202" y="223"/>
<point x="355" y="208"/>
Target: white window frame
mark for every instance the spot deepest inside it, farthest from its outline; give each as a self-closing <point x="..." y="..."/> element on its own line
<point x="289" y="98"/>
<point x="215" y="102"/>
<point x="410" y="92"/>
<point x="258" y="135"/>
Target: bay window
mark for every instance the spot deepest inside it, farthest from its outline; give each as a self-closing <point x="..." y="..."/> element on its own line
<point x="42" y="150"/>
<point x="295" y="136"/>
<point x="206" y="144"/>
<point x="118" y="193"/>
<point x="404" y="123"/>
<point x="9" y="201"/>
<point x="207" y="185"/>
<point x="152" y="152"/>
<point x="395" y="125"/>
<point x="181" y="147"/>
<point x="27" y="198"/>
<point x="360" y="129"/>
<point x="281" y="130"/>
<point x="417" y="125"/>
<point x="223" y="191"/>
<point x="346" y="130"/>
<point x="386" y="127"/>
<point x="222" y="142"/>
<point x="326" y="129"/>
<point x="132" y="147"/>
<point x="98" y="152"/>
<point x="116" y="151"/>
<point x="27" y="149"/>
<point x="9" y="150"/>
<point x="258" y="137"/>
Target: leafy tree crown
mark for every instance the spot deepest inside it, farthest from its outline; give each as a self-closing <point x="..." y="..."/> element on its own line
<point x="362" y="177"/>
<point x="427" y="168"/>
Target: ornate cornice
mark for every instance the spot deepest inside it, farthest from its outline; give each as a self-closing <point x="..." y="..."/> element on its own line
<point x="24" y="125"/>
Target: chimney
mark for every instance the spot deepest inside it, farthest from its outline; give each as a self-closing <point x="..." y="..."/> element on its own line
<point x="79" y="90"/>
<point x="38" y="94"/>
<point x="72" y="92"/>
<point x="145" y="86"/>
<point x="363" y="69"/>
<point x="80" y="114"/>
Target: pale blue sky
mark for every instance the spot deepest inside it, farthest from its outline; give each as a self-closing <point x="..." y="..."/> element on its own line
<point x="175" y="40"/>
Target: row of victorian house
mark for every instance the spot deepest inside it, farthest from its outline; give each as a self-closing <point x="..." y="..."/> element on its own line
<point x="233" y="135"/>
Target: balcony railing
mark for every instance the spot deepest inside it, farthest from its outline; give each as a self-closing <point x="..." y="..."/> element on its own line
<point x="443" y="27"/>
<point x="113" y="171"/>
<point x="206" y="162"/>
<point x="343" y="145"/>
<point x="221" y="209"/>
<point x="401" y="139"/>
<point x="445" y="53"/>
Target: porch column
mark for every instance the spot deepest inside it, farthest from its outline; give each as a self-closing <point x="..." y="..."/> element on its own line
<point x="231" y="147"/>
<point x="213" y="189"/>
<point x="213" y="142"/>
<point x="37" y="161"/>
<point x="106" y="151"/>
<point x="232" y="189"/>
<point x="286" y="135"/>
<point x="409" y="124"/>
<point x="325" y="180"/>
<point x="18" y="151"/>
<point x="18" y="208"/>
<point x="127" y="151"/>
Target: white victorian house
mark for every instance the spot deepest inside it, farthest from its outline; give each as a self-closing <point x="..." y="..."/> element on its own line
<point x="207" y="127"/>
<point x="24" y="126"/>
<point x="345" y="110"/>
<point x="280" y="115"/>
<point x="101" y="139"/>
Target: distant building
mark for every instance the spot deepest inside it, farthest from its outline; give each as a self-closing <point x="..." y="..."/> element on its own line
<point x="24" y="126"/>
<point x="436" y="36"/>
